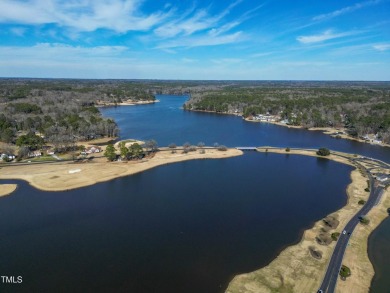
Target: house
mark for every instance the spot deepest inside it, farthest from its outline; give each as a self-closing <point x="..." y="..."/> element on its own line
<point x="93" y="149"/>
<point x="266" y="118"/>
<point x="7" y="157"/>
<point x="34" y="154"/>
<point x="382" y="177"/>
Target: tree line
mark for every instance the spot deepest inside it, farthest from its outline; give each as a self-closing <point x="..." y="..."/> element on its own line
<point x="361" y="109"/>
<point x="60" y="112"/>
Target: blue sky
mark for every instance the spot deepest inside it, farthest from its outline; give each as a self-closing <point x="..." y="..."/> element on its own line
<point x="180" y="39"/>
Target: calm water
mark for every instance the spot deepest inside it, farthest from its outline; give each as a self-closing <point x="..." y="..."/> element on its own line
<point x="379" y="253"/>
<point x="186" y="227"/>
<point x="167" y="123"/>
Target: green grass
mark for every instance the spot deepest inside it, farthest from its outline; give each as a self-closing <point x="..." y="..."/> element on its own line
<point x="42" y="158"/>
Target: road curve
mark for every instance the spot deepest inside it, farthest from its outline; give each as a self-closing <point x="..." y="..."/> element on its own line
<point x="332" y="274"/>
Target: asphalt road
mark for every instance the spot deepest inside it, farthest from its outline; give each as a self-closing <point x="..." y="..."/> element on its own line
<point x="332" y="274"/>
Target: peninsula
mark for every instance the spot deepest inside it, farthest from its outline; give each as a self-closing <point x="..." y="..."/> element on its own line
<point x="301" y="267"/>
<point x="60" y="176"/>
<point x="6" y="189"/>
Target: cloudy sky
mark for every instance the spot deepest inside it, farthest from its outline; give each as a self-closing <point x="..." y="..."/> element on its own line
<point x="184" y="39"/>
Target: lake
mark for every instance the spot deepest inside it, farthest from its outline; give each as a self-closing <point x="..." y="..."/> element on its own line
<point x="185" y="227"/>
<point x="167" y="123"/>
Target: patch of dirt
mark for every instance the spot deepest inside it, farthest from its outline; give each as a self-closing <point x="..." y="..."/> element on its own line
<point x="317" y="254"/>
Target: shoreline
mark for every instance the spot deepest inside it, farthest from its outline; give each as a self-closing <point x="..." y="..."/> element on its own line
<point x="325" y="130"/>
<point x="62" y="176"/>
<point x="7" y="189"/>
<point x="295" y="270"/>
<point x="126" y="103"/>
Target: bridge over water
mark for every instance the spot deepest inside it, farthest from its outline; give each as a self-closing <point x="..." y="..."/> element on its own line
<point x="246" y="148"/>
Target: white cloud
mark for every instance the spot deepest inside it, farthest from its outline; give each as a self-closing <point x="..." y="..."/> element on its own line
<point x="187" y="26"/>
<point x="200" y="41"/>
<point x="227" y="61"/>
<point x="257" y="55"/>
<point x="189" y="60"/>
<point x="346" y="10"/>
<point x="81" y="15"/>
<point x="193" y="21"/>
<point x="382" y="47"/>
<point x="63" y="52"/>
<point x="327" y="35"/>
<point x="224" y="28"/>
<point x="45" y="60"/>
<point x="18" y="31"/>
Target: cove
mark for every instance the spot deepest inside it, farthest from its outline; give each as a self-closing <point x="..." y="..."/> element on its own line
<point x="185" y="227"/>
<point x="167" y="122"/>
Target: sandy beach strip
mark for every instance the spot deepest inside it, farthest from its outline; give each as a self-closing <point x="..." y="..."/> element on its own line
<point x="295" y="270"/>
<point x="127" y="103"/>
<point x="61" y="176"/>
<point x="6" y="189"/>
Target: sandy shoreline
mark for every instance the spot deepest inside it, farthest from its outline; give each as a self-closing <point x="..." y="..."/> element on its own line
<point x="127" y="103"/>
<point x="326" y="130"/>
<point x="60" y="176"/>
<point x="295" y="270"/>
<point x="6" y="189"/>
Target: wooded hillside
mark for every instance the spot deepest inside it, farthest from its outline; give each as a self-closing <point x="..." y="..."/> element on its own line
<point x="363" y="108"/>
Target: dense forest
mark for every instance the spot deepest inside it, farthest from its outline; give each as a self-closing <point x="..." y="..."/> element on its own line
<point x="362" y="108"/>
<point x="60" y="112"/>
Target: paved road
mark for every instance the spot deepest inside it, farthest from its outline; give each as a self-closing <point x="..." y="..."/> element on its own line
<point x="332" y="274"/>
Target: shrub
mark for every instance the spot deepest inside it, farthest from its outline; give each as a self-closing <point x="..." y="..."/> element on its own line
<point x="287" y="149"/>
<point x="315" y="253"/>
<point x="324" y="239"/>
<point x="335" y="236"/>
<point x="345" y="272"/>
<point x="361" y="202"/>
<point x="364" y="220"/>
<point x="192" y="148"/>
<point x="323" y="152"/>
<point x="331" y="222"/>
<point x="222" y="148"/>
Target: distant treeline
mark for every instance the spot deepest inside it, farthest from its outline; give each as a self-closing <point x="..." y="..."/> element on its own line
<point x="64" y="111"/>
<point x="361" y="108"/>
